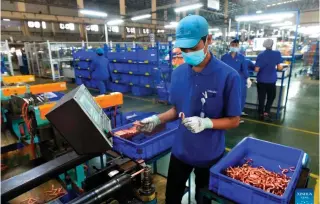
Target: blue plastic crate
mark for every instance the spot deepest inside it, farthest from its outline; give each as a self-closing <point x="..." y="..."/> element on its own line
<point x="125" y="78"/>
<point x="79" y="81"/>
<point x="134" y="80"/>
<point x="82" y="73"/>
<point x="115" y="76"/>
<point x="146" y="69"/>
<point x="83" y="65"/>
<point x="145" y="147"/>
<point x="131" y="55"/>
<point x="123" y="88"/>
<point x="133" y="68"/>
<point x="119" y="67"/>
<point x="263" y="153"/>
<point x="149" y="55"/>
<point x="141" y="91"/>
<point x="116" y="56"/>
<point x="146" y="81"/>
<point x="130" y="117"/>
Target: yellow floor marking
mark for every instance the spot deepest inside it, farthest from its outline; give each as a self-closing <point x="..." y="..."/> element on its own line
<point x="316" y="192"/>
<point x="281" y="126"/>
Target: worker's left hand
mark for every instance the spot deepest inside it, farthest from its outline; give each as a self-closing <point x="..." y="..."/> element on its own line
<point x="196" y="124"/>
<point x="249" y="82"/>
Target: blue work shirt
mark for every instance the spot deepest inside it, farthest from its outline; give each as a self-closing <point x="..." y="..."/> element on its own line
<point x="238" y="63"/>
<point x="101" y="68"/>
<point x="267" y="62"/>
<point x="222" y="84"/>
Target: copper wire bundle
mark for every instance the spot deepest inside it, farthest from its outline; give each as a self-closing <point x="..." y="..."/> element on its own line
<point x="260" y="177"/>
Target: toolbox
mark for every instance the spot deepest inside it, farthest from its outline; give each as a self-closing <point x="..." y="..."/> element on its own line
<point x="145" y="147"/>
<point x="263" y="153"/>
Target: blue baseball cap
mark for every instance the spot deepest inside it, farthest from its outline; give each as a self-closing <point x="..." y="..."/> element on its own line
<point x="190" y="30"/>
<point x="100" y="51"/>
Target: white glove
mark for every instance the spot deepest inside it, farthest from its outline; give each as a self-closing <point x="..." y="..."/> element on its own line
<point x="196" y="124"/>
<point x="148" y="124"/>
<point x="249" y="82"/>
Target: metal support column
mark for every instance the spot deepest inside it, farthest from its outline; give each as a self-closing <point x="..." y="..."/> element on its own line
<point x="123" y="13"/>
<point x="51" y="63"/>
<point x="293" y="54"/>
<point x="178" y="14"/>
<point x="154" y="12"/>
<point x="226" y="11"/>
<point x="9" y="58"/>
<point x="106" y="33"/>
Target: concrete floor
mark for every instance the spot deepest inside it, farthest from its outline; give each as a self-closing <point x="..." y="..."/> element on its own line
<point x="299" y="128"/>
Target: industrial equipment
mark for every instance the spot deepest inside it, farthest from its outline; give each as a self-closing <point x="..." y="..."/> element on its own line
<point x="78" y="118"/>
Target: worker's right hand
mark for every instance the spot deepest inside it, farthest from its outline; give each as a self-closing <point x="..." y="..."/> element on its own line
<point x="148" y="124"/>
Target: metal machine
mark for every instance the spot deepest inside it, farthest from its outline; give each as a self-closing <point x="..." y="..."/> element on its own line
<point x="88" y="170"/>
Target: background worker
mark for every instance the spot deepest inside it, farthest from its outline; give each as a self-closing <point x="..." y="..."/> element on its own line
<point x="207" y="91"/>
<point x="101" y="75"/>
<point x="267" y="64"/>
<point x="238" y="62"/>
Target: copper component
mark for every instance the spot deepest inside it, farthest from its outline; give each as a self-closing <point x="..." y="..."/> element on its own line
<point x="181" y="115"/>
<point x="259" y="177"/>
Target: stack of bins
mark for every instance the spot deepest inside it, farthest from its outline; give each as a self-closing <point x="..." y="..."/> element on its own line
<point x="132" y="69"/>
<point x="83" y="67"/>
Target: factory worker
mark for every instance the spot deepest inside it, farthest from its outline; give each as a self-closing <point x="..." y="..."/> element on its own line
<point x="238" y="62"/>
<point x="101" y="75"/>
<point x="267" y="64"/>
<point x="207" y="91"/>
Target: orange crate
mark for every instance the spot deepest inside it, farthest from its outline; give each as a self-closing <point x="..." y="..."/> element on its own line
<point x="15" y="90"/>
<point x="43" y="88"/>
<point x="113" y="99"/>
<point x="18" y="79"/>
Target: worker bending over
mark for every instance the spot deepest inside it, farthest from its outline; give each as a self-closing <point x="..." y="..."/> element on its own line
<point x="267" y="64"/>
<point x="207" y="91"/>
<point x="101" y="75"/>
<point x="238" y="62"/>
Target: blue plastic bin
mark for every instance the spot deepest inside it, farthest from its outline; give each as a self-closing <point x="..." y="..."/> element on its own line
<point x="131" y="55"/>
<point x="123" y="88"/>
<point x="130" y="117"/>
<point x="149" y="55"/>
<point x="141" y="91"/>
<point x="115" y="76"/>
<point x="146" y="81"/>
<point x="263" y="153"/>
<point x="146" y="69"/>
<point x="125" y="78"/>
<point x="83" y="65"/>
<point x="117" y="56"/>
<point x="82" y="73"/>
<point x="133" y="68"/>
<point x="150" y="145"/>
<point x="120" y="67"/>
<point x="79" y="81"/>
<point x="134" y="80"/>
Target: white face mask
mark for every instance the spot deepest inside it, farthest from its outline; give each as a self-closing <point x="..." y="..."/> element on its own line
<point x="196" y="57"/>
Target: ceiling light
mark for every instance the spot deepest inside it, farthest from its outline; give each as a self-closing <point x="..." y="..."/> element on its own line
<point x="141" y="17"/>
<point x="187" y="8"/>
<point x="271" y="21"/>
<point x="6" y="19"/>
<point x="93" y="13"/>
<point x="287" y="23"/>
<point x="248" y="18"/>
<point x="259" y="11"/>
<point x="171" y="25"/>
<point x="268" y="5"/>
<point x="213" y="29"/>
<point x="115" y="22"/>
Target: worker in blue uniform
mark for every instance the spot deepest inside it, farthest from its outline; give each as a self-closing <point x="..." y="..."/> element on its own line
<point x="267" y="64"/>
<point x="238" y="62"/>
<point x="101" y="74"/>
<point x="207" y="92"/>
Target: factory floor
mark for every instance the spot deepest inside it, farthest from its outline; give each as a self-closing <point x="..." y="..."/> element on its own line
<point x="299" y="128"/>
